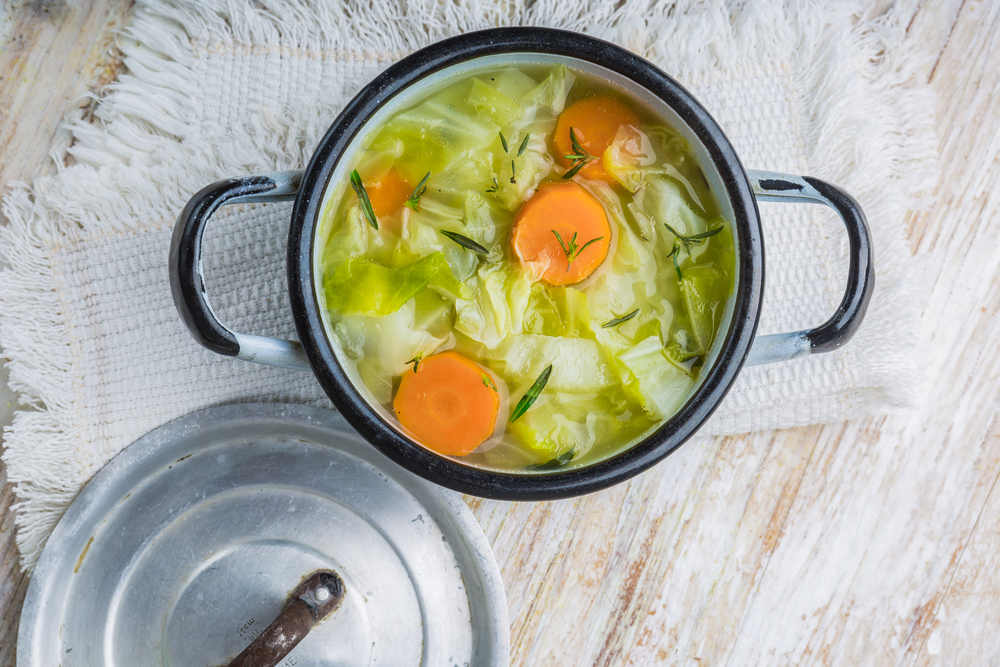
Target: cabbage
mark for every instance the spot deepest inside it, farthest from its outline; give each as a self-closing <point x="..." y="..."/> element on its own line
<point x="530" y="169"/>
<point x="496" y="106"/>
<point x="559" y="427"/>
<point x="422" y="236"/>
<point x="376" y="162"/>
<point x="577" y="363"/>
<point x="513" y="83"/>
<point x="557" y="312"/>
<point x="551" y="93"/>
<point x="663" y="200"/>
<point x="704" y="289"/>
<point x="354" y="238"/>
<point x="360" y="285"/>
<point x="434" y="134"/>
<point x="502" y="294"/>
<point x="664" y="386"/>
<point x="631" y="160"/>
<point x="384" y="346"/>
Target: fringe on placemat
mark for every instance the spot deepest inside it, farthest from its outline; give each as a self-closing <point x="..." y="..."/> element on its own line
<point x="145" y="154"/>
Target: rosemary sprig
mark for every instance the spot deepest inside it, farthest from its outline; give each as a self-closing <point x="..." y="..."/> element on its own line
<point x="465" y="242"/>
<point x="418" y="192"/>
<point x="416" y="361"/>
<point x="620" y="320"/>
<point x="524" y="145"/>
<point x="503" y="142"/>
<point x="366" y="204"/>
<point x="687" y="242"/>
<point x="513" y="173"/>
<point x="677" y="267"/>
<point x="531" y="395"/>
<point x="556" y="463"/>
<point x="580" y="156"/>
<point x="488" y="382"/>
<point x="495" y="187"/>
<point x="571" y="250"/>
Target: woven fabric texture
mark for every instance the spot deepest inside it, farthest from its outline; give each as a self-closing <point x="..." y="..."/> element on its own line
<point x="101" y="356"/>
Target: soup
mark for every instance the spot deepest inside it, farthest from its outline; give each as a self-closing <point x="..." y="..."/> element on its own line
<point x="526" y="269"/>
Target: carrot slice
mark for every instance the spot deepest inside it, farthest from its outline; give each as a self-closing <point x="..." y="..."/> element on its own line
<point x="594" y="120"/>
<point x="554" y="228"/>
<point x="448" y="403"/>
<point x="388" y="195"/>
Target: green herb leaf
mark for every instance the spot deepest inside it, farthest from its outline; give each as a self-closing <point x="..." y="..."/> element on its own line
<point x="495" y="187"/>
<point x="687" y="242"/>
<point x="705" y="235"/>
<point x="584" y="246"/>
<point x="465" y="242"/>
<point x="697" y="239"/>
<point x="620" y="320"/>
<point x="575" y="170"/>
<point x="418" y="192"/>
<point x="674" y="253"/>
<point x="524" y="145"/>
<point x="366" y="204"/>
<point x="576" y="143"/>
<point x="571" y="250"/>
<point x="513" y="172"/>
<point x="531" y="395"/>
<point x="488" y="382"/>
<point x="503" y="142"/>
<point x="416" y="361"/>
<point x="580" y="156"/>
<point x="556" y="463"/>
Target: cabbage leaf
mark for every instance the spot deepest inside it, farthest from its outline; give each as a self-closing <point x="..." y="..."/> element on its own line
<point x="363" y="286"/>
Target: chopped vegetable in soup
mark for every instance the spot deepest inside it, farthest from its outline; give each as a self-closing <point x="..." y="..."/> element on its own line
<point x="526" y="268"/>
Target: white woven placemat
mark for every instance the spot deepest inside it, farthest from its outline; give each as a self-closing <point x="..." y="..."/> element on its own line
<point x="218" y="89"/>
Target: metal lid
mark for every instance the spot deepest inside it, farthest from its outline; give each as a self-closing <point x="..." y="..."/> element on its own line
<point x="187" y="544"/>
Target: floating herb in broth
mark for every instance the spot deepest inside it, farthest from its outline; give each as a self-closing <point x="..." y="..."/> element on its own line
<point x="548" y="276"/>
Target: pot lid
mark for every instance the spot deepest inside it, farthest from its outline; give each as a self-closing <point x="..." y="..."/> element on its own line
<point x="186" y="546"/>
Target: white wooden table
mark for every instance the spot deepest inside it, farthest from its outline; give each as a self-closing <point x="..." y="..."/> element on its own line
<point x="875" y="541"/>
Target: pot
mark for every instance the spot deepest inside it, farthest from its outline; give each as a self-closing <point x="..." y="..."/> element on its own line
<point x="738" y="189"/>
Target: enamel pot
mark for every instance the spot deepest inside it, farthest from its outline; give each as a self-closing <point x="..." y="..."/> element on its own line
<point x="737" y="189"/>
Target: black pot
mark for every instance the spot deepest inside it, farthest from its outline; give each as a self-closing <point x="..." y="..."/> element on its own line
<point x="736" y="188"/>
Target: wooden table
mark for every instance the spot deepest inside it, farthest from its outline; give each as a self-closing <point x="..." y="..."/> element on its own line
<point x="873" y="541"/>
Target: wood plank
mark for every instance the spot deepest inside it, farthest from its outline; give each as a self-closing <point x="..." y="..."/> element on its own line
<point x="870" y="542"/>
<point x="52" y="55"/>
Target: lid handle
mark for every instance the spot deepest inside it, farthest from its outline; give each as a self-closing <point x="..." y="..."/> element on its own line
<point x="316" y="597"/>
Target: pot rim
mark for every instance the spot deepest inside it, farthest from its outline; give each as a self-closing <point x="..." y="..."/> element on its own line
<point x="532" y="486"/>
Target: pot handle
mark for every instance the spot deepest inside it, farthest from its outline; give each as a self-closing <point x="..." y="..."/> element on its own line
<point x="187" y="283"/>
<point x="835" y="332"/>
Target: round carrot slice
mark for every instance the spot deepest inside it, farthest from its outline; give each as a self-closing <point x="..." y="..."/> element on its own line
<point x="564" y="229"/>
<point x="448" y="403"/>
<point x="594" y="120"/>
<point x="388" y="195"/>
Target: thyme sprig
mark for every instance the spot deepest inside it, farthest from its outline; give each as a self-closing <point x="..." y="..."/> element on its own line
<point x="418" y="192"/>
<point x="465" y="242"/>
<point x="531" y="395"/>
<point x="580" y="157"/>
<point x="495" y="187"/>
<point x="513" y="173"/>
<point x="366" y="204"/>
<point x="503" y="142"/>
<point x="687" y="241"/>
<point x="620" y="320"/>
<point x="571" y="249"/>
